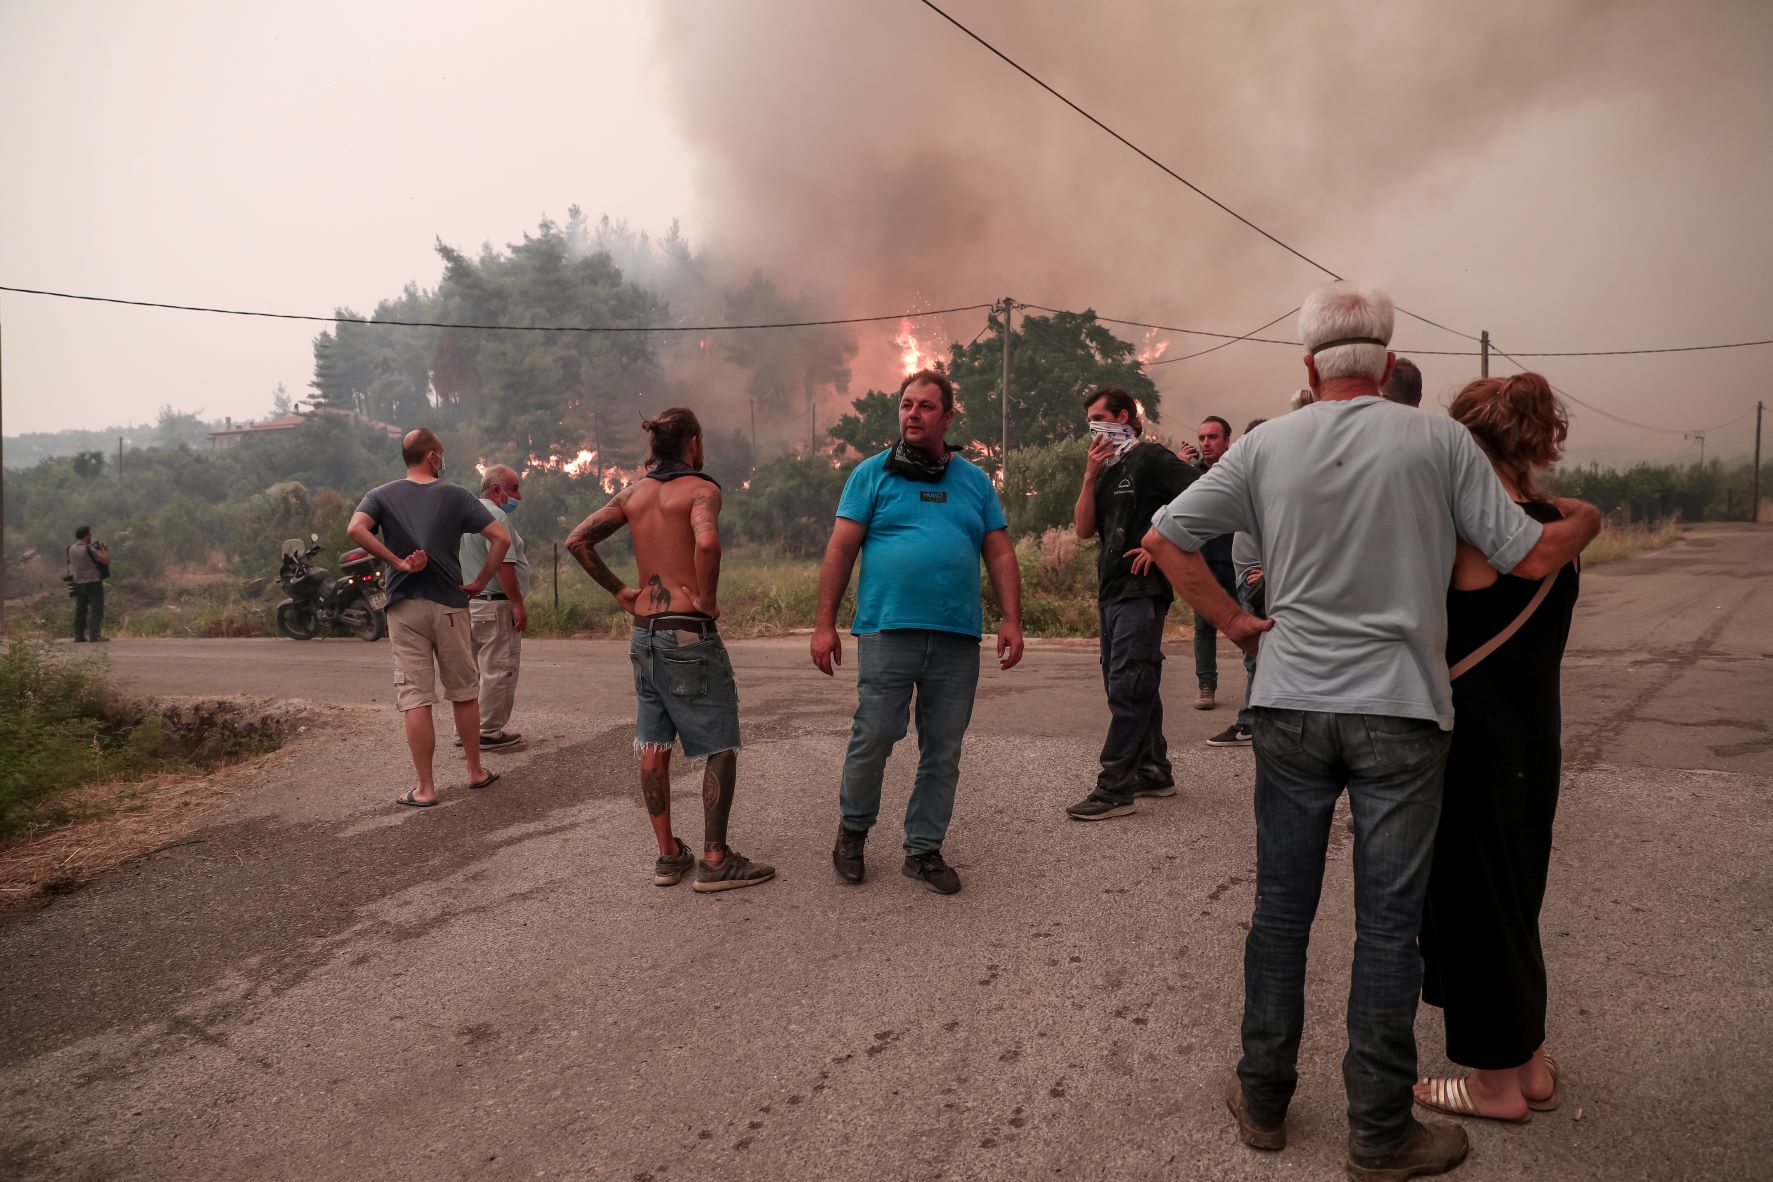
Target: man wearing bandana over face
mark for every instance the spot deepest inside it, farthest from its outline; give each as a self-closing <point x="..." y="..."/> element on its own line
<point x="1125" y="481"/>
<point x="920" y="516"/>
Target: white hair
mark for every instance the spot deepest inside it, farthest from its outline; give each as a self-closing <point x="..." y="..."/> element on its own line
<point x="496" y="476"/>
<point x="1340" y="310"/>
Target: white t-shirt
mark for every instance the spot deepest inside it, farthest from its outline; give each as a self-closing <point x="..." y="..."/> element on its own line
<point x="1356" y="507"/>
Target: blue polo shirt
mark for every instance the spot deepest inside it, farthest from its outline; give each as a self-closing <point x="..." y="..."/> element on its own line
<point x="920" y="556"/>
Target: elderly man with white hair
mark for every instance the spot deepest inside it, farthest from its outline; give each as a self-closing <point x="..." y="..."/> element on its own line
<point x="1357" y="504"/>
<point x="498" y="613"/>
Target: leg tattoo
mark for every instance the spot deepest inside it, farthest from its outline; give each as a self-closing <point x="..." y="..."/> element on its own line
<point x="717" y="796"/>
<point x="655" y="786"/>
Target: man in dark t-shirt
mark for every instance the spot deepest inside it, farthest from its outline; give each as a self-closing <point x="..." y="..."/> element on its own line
<point x="1126" y="480"/>
<point x="421" y="520"/>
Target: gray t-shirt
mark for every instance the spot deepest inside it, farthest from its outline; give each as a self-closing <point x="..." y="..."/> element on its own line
<point x="431" y="517"/>
<point x="1246" y="556"/>
<point x="475" y="548"/>
<point x="82" y="563"/>
<point x="1356" y="507"/>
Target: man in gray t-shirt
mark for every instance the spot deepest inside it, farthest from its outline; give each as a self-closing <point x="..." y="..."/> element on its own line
<point x="88" y="564"/>
<point x="1356" y="505"/>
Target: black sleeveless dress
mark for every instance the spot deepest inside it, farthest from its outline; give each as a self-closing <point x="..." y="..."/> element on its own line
<point x="1482" y="960"/>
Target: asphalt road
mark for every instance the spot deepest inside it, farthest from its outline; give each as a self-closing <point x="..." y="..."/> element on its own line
<point x="318" y="985"/>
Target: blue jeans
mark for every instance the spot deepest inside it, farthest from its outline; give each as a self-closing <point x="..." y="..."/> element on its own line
<point x="943" y="669"/>
<point x="1206" y="640"/>
<point x="1246" y="717"/>
<point x="1393" y="768"/>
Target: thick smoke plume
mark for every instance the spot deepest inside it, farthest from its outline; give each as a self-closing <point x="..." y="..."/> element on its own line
<point x="874" y="154"/>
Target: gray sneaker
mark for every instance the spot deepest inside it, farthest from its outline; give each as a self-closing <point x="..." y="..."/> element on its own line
<point x="503" y="741"/>
<point x="737" y="871"/>
<point x="1096" y="807"/>
<point x="669" y="870"/>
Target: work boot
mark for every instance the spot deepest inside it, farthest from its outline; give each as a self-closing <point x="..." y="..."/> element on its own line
<point x="847" y="854"/>
<point x="1204" y="700"/>
<point x="1249" y="1131"/>
<point x="938" y="875"/>
<point x="1429" y="1149"/>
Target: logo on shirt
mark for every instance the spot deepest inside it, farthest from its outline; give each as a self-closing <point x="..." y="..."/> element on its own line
<point x="938" y="496"/>
<point x="1125" y="487"/>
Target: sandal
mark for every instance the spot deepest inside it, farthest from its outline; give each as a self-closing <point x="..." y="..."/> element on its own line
<point x="1551" y="1102"/>
<point x="491" y="777"/>
<point x="411" y="798"/>
<point x="1449" y="1094"/>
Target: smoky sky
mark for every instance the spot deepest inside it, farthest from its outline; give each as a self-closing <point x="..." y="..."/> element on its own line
<point x="1570" y="176"/>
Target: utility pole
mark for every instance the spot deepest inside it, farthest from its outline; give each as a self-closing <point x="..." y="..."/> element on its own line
<point x="1700" y="436"/>
<point x="1754" y="512"/>
<point x="1484" y="345"/>
<point x="119" y="457"/>
<point x="1004" y="467"/>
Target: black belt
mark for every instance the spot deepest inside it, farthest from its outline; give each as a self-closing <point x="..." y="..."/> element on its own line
<point x="678" y="622"/>
<point x="492" y="595"/>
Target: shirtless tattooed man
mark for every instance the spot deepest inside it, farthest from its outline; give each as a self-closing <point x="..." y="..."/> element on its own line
<point x="682" y="677"/>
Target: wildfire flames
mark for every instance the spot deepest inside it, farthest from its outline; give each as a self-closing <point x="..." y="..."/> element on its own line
<point x="1150" y="349"/>
<point x="585" y="463"/>
<point x="915" y="354"/>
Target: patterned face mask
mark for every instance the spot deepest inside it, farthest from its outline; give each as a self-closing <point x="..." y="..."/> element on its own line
<point x="914" y="464"/>
<point x="1121" y="435"/>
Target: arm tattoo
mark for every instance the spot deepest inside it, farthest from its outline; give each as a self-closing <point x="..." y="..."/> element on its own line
<point x="705" y="514"/>
<point x="582" y="542"/>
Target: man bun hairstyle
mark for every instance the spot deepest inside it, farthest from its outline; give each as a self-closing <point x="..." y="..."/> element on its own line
<point x="419" y="443"/>
<point x="1118" y="400"/>
<point x="672" y="432"/>
<point x="933" y="377"/>
<point x="1518" y="422"/>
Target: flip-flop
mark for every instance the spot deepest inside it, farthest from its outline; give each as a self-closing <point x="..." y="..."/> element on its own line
<point x="1549" y="1103"/>
<point x="411" y="798"/>
<point x="1449" y="1094"/>
<point x="486" y="783"/>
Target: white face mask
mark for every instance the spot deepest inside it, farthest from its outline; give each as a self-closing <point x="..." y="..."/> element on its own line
<point x="1121" y="435"/>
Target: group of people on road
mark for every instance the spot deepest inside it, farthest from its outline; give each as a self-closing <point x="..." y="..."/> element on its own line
<point x="1395" y="570"/>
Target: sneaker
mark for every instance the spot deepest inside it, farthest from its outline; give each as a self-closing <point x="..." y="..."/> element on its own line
<point x="1233" y="736"/>
<point x="1168" y="789"/>
<point x="847" y="854"/>
<point x="1096" y="807"/>
<point x="1205" y="700"/>
<point x="669" y="869"/>
<point x="737" y="871"/>
<point x="503" y="741"/>
<point x="938" y="875"/>
<point x="1429" y="1149"/>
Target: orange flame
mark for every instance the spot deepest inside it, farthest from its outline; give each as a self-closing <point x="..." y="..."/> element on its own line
<point x="1150" y="349"/>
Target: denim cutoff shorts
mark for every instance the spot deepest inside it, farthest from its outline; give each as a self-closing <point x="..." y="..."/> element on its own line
<point x="683" y="692"/>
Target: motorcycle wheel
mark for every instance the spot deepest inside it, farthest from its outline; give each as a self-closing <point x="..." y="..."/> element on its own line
<point x="362" y="623"/>
<point x="297" y="620"/>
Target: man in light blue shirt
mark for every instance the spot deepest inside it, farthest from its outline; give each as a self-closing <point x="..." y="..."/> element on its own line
<point x="1355" y="504"/>
<point x="920" y="515"/>
<point x="498" y="614"/>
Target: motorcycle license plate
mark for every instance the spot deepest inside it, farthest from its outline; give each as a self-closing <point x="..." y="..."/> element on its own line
<point x="378" y="600"/>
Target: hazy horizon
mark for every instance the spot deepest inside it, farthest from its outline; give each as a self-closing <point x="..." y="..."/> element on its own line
<point x="1589" y="177"/>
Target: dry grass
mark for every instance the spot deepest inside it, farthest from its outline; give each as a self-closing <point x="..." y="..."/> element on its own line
<point x="1623" y="541"/>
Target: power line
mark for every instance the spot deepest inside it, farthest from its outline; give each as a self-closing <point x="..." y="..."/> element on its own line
<point x="1166" y="169"/>
<point x="1251" y="335"/>
<point x="1607" y="414"/>
<point x="600" y="328"/>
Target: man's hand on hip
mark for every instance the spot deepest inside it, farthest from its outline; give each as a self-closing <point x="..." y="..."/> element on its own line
<point x="1245" y="631"/>
<point x="1009" y="644"/>
<point x="827" y="649"/>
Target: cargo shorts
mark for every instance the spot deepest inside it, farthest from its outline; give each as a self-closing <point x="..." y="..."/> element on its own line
<point x="683" y="692"/>
<point x="431" y="642"/>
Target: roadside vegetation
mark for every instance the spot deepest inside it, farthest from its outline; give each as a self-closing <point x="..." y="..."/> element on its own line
<point x="1618" y="541"/>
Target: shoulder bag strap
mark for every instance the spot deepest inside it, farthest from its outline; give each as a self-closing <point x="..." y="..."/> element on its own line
<point x="1497" y="641"/>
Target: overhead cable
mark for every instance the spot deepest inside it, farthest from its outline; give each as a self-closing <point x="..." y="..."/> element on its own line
<point x="1607" y="414"/>
<point x="590" y="328"/>
<point x="1251" y="335"/>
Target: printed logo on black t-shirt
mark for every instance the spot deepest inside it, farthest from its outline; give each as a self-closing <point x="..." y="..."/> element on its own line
<point x="938" y="496"/>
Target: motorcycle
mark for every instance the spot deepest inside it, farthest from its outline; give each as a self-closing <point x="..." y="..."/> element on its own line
<point x="320" y="604"/>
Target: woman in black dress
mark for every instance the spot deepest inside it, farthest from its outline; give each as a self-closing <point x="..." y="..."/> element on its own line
<point x="1482" y="959"/>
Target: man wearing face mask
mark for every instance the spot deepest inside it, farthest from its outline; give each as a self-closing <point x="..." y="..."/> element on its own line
<point x="498" y="613"/>
<point x="422" y="520"/>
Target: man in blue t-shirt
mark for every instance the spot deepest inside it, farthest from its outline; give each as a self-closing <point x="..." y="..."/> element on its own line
<point x="920" y="516"/>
